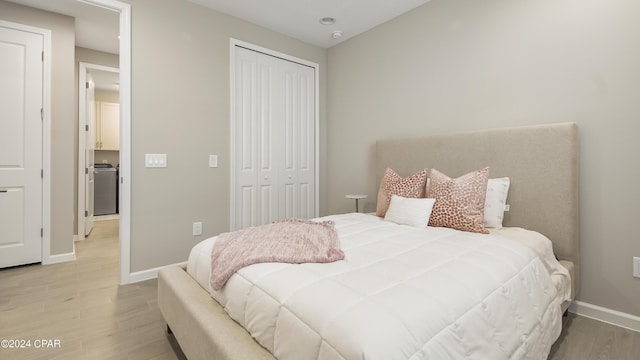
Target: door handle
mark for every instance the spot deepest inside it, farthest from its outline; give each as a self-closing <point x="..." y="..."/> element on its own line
<point x="4" y="191"/>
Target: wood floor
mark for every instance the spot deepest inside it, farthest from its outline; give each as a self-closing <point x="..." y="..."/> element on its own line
<point x="81" y="305"/>
<point x="587" y="339"/>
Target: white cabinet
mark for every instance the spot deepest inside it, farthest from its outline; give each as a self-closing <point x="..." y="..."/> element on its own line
<point x="107" y="126"/>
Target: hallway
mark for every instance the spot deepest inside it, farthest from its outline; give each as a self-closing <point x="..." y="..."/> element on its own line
<point x="81" y="304"/>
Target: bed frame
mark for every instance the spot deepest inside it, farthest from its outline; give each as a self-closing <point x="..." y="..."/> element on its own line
<point x="541" y="161"/>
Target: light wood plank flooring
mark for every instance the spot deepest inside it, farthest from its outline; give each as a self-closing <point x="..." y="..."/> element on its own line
<point x="587" y="339"/>
<point x="81" y="304"/>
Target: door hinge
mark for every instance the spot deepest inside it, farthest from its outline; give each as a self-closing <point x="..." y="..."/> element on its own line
<point x="41" y="173"/>
<point x="41" y="232"/>
<point x="41" y="114"/>
<point x="86" y="171"/>
<point x="86" y="127"/>
<point x="86" y="84"/>
<point x="86" y="213"/>
<point x="42" y="56"/>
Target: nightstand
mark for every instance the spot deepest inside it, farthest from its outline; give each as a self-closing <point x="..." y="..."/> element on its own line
<point x="356" y="197"/>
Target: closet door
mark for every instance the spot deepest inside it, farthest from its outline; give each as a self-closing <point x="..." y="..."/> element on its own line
<point x="255" y="160"/>
<point x="297" y="169"/>
<point x="273" y="125"/>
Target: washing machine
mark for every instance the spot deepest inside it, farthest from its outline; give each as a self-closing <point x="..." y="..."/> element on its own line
<point x="105" y="191"/>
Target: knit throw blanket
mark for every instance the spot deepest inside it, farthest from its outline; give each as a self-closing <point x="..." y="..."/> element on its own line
<point x="288" y="241"/>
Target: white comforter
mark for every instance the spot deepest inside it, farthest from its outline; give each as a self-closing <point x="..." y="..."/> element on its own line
<point x="400" y="293"/>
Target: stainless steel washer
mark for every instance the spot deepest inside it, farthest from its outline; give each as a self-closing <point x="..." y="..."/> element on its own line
<point x="105" y="192"/>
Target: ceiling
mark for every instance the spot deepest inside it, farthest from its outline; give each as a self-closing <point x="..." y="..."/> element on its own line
<point x="97" y="28"/>
<point x="301" y="19"/>
<point x="105" y="80"/>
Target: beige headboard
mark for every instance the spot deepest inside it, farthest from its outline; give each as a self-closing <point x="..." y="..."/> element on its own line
<point x="541" y="161"/>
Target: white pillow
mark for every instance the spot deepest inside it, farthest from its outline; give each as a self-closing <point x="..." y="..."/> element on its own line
<point x="410" y="211"/>
<point x="495" y="202"/>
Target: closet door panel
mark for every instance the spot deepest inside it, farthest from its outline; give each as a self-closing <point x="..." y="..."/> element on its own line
<point x="306" y="193"/>
<point x="268" y="113"/>
<point x="248" y="203"/>
<point x="306" y="116"/>
<point x="288" y="170"/>
<point x="268" y="203"/>
<point x="299" y="170"/>
<point x="245" y="127"/>
<point x="289" y="195"/>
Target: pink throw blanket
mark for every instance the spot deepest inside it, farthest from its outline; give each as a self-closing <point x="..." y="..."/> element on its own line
<point x="289" y="241"/>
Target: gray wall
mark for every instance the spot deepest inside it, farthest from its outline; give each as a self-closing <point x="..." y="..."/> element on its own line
<point x="63" y="131"/>
<point x="180" y="106"/>
<point x="459" y="65"/>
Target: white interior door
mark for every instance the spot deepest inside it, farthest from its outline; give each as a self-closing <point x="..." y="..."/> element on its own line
<point x="89" y="159"/>
<point x="255" y="161"/>
<point x="21" y="103"/>
<point x="297" y="185"/>
<point x="274" y="137"/>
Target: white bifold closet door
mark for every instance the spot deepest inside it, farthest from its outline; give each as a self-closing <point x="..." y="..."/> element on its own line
<point x="274" y="139"/>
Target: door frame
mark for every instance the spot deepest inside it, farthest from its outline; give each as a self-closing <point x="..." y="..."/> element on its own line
<point x="83" y="69"/>
<point x="46" y="257"/>
<point x="124" y="10"/>
<point x="233" y="43"/>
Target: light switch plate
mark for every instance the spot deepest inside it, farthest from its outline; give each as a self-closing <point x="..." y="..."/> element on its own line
<point x="155" y="160"/>
<point x="197" y="228"/>
<point x="213" y="161"/>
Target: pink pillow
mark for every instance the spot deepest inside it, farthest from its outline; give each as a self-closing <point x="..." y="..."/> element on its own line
<point x="459" y="202"/>
<point x="393" y="184"/>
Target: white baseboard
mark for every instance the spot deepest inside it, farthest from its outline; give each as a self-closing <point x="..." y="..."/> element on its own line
<point x="59" y="258"/>
<point x="106" y="217"/>
<point x="147" y="274"/>
<point x="606" y="315"/>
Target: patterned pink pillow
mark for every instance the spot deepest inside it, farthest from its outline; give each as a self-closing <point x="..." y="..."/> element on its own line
<point x="459" y="202"/>
<point x="393" y="184"/>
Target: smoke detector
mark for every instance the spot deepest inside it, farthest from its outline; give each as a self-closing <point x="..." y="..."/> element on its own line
<point x="327" y="21"/>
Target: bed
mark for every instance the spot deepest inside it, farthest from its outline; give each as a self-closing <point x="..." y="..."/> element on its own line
<point x="542" y="164"/>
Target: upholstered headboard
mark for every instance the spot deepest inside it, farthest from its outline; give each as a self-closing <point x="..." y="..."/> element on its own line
<point x="541" y="161"/>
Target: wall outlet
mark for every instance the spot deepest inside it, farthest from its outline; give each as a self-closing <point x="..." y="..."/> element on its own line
<point x="213" y="161"/>
<point x="636" y="267"/>
<point x="197" y="228"/>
